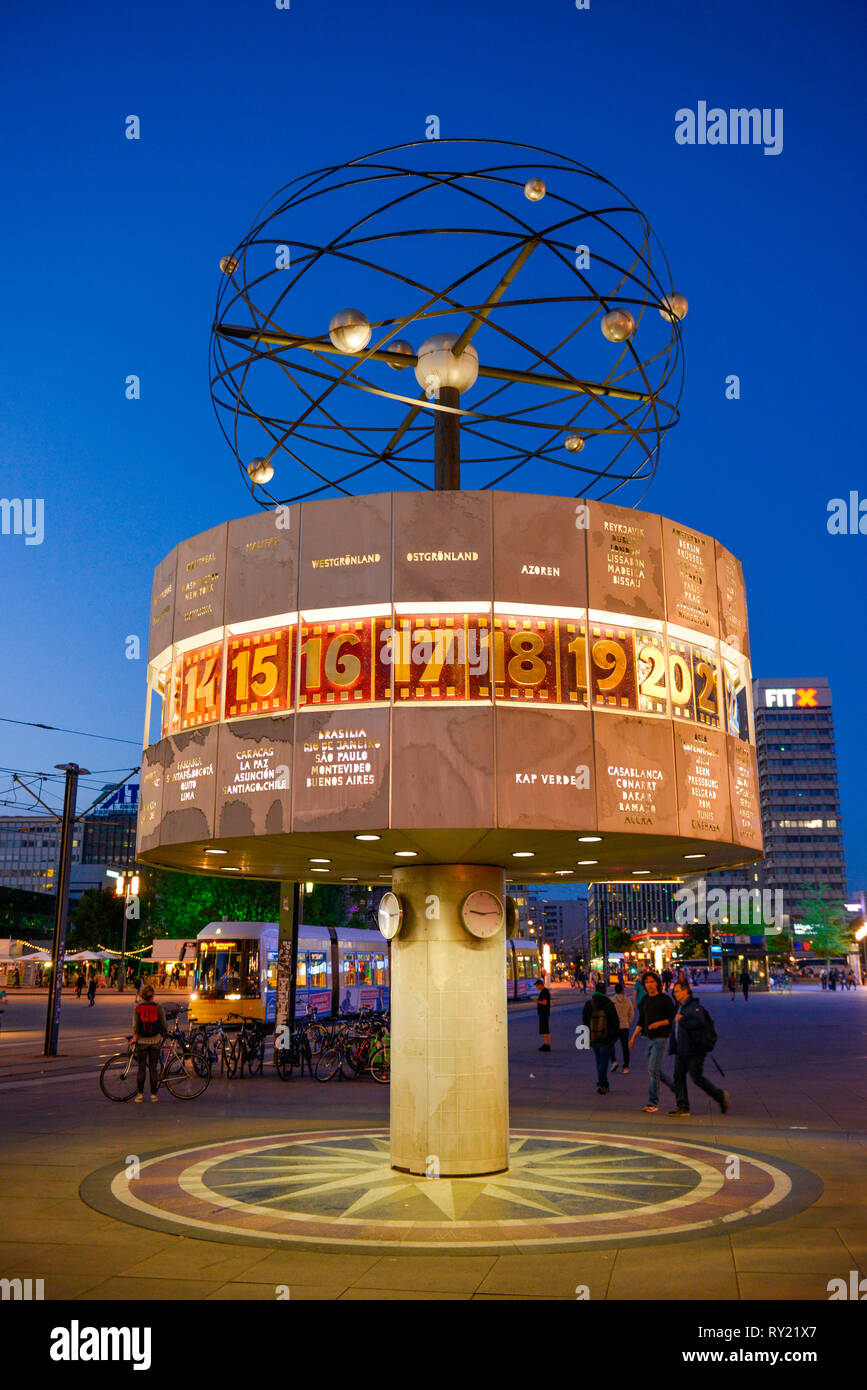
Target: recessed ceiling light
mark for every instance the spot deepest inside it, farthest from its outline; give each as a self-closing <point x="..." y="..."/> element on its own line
<point x="524" y="854"/>
<point x="349" y="880"/>
<point x="405" y="854"/>
<point x="564" y="871"/>
<point x="227" y="869"/>
<point x="588" y="861"/>
<point x="318" y="861"/>
<point x="642" y="871"/>
<point x="368" y="837"/>
<point x="695" y="856"/>
<point x="216" y="851"/>
<point x="320" y="871"/>
<point x="589" y="839"/>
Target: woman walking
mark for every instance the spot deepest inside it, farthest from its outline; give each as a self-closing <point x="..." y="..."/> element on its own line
<point x="625" y="1015"/>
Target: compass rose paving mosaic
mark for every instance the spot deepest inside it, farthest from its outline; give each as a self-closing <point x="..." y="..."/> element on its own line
<point x="563" y="1190"/>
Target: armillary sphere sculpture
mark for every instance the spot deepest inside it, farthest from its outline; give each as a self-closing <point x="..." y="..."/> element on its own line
<point x="525" y="293"/>
<point x="432" y="687"/>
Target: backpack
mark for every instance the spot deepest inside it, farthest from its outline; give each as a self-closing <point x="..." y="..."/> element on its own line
<point x="148" y="1016"/>
<point x="598" y="1024"/>
<point x="706" y="1038"/>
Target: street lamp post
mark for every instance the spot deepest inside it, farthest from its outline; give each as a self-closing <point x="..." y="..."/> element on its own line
<point x="126" y="889"/>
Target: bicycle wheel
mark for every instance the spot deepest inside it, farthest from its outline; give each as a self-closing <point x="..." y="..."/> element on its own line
<point x="119" y="1077"/>
<point x="380" y="1061"/>
<point x="328" y="1063"/>
<point x="199" y="1039"/>
<point x="231" y="1057"/>
<point x="355" y="1057"/>
<point x="190" y="1077"/>
<point x="255" y="1056"/>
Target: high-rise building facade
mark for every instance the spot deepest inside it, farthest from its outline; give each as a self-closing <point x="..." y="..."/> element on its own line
<point x="553" y="917"/>
<point x="109" y="831"/>
<point x="800" y="804"/>
<point x="29" y="851"/>
<point x="30" y="845"/>
<point x="798" y="789"/>
<point x="630" y="907"/>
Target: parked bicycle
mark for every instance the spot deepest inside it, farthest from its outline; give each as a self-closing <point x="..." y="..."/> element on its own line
<point x="357" y="1046"/>
<point x="217" y="1039"/>
<point x="306" y="1040"/>
<point x="247" y="1047"/>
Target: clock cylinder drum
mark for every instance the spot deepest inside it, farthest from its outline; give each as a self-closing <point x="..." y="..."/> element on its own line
<point x="450" y="1089"/>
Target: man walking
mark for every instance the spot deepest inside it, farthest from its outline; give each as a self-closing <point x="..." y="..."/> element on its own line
<point x="625" y="1014"/>
<point x="543" y="1008"/>
<point x="600" y="1017"/>
<point x="655" y="1017"/>
<point x="745" y="982"/>
<point x="690" y="1044"/>
<point x="91" y="991"/>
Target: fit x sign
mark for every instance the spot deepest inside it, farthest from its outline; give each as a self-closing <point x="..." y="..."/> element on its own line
<point x="791" y="698"/>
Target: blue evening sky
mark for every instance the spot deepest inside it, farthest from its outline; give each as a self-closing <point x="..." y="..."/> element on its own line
<point x="109" y="268"/>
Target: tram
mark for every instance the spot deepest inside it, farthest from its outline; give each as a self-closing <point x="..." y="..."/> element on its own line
<point x="523" y="969"/>
<point x="340" y="970"/>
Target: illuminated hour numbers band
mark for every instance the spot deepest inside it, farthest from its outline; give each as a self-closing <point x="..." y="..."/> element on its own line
<point x="199" y="695"/>
<point x="440" y="657"/>
<point x="627" y="669"/>
<point x="694" y="683"/>
<point x="525" y="659"/>
<point x="169" y="685"/>
<point x="339" y="663"/>
<point x="259" y="672"/>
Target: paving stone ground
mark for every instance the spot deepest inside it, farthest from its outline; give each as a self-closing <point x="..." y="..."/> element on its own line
<point x="795" y="1067"/>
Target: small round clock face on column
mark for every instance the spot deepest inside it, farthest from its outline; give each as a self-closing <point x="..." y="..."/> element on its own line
<point x="482" y="913"/>
<point x="390" y="915"/>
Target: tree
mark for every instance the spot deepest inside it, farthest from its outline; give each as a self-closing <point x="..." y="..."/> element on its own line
<point x="185" y="903"/>
<point x="23" y="913"/>
<point x="333" y="905"/>
<point x="832" y="932"/>
<point x="97" y="921"/>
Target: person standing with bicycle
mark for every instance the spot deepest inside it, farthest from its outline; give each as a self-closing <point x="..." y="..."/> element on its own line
<point x="149" y="1031"/>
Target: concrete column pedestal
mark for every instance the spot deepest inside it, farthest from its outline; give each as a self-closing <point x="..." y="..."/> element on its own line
<point x="449" y="1043"/>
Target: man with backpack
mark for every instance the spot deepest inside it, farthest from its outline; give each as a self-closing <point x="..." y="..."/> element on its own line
<point x="693" y="1039"/>
<point x="600" y="1018"/>
<point x="149" y="1029"/>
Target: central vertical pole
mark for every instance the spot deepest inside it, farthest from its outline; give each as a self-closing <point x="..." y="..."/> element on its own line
<point x="449" y="1042"/>
<point x="447" y="442"/>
